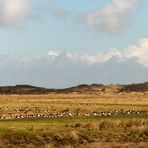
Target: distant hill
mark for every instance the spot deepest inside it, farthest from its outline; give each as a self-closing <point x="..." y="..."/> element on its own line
<point x="83" y="88"/>
<point x="141" y="87"/>
<point x="92" y="88"/>
<point x="28" y="89"/>
<point x="22" y="89"/>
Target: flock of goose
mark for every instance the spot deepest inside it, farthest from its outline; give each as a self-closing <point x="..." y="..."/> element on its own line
<point x="24" y="113"/>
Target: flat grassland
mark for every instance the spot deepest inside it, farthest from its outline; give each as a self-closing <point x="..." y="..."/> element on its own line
<point x="74" y="120"/>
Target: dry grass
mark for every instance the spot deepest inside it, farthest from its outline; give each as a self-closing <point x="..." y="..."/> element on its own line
<point x="81" y="102"/>
<point x="69" y="132"/>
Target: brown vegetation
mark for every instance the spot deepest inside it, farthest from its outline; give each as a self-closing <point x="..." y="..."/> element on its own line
<point x="141" y="87"/>
<point x="84" y="88"/>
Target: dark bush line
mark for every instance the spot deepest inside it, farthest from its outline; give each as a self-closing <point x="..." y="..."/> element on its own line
<point x="142" y="87"/>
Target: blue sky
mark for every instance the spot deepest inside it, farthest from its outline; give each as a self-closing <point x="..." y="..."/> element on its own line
<point x="52" y="43"/>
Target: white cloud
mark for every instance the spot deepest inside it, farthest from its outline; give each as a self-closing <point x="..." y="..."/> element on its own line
<point x="14" y="12"/>
<point x="72" y="57"/>
<point x="102" y="57"/>
<point x="98" y="58"/>
<point x="138" y="52"/>
<point x="114" y="17"/>
<point x="53" y="54"/>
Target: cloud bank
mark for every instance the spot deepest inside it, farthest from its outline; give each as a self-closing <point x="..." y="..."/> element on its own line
<point x="113" y="18"/>
<point x="139" y="52"/>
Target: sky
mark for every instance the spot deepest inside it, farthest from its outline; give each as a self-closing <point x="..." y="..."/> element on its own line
<point x="58" y="44"/>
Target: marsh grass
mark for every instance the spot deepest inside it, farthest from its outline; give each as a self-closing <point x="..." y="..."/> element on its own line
<point x="73" y="132"/>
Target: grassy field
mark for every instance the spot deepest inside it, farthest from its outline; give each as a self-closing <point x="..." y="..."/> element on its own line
<point x="82" y="102"/>
<point x="74" y="132"/>
<point x="78" y="131"/>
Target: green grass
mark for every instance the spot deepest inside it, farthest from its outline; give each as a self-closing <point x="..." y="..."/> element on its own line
<point x="74" y="130"/>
